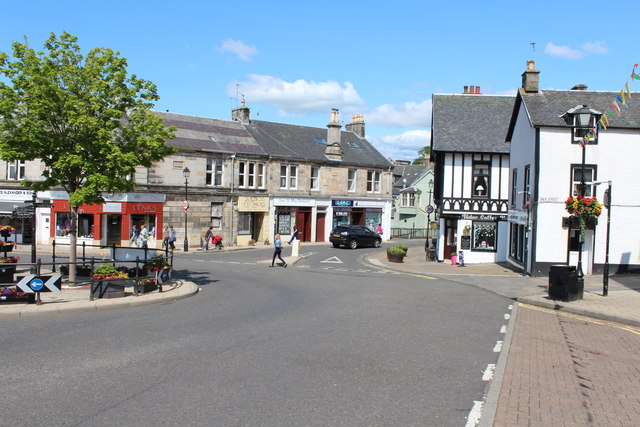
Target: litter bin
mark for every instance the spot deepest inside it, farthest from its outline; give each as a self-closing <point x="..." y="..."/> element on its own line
<point x="563" y="283"/>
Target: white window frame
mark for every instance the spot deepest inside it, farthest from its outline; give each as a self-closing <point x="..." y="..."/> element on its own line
<point x="214" y="173"/>
<point x="16" y="170"/>
<point x="373" y="181"/>
<point x="288" y="176"/>
<point x="250" y="174"/>
<point x="590" y="189"/>
<point x="351" y="180"/>
<point x="314" y="181"/>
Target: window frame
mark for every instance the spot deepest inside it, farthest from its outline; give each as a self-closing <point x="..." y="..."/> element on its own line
<point x="476" y="175"/>
<point x="526" y="196"/>
<point x="575" y="184"/>
<point x="373" y="181"/>
<point x="251" y="174"/>
<point x="514" y="186"/>
<point x="16" y="170"/>
<point x="214" y="176"/>
<point x="351" y="180"/>
<point x="288" y="176"/>
<point x="314" y="179"/>
<point x="474" y="246"/>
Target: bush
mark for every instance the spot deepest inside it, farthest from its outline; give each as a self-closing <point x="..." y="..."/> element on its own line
<point x="398" y="249"/>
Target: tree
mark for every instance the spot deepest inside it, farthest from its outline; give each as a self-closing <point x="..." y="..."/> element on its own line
<point x="84" y="118"/>
<point x="423" y="152"/>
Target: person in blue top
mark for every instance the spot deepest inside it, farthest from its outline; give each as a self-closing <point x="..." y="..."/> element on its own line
<point x="278" y="251"/>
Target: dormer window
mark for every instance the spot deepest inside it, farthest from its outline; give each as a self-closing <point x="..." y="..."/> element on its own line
<point x="480" y="186"/>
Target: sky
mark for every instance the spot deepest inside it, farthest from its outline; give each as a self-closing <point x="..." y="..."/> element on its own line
<point x="295" y="61"/>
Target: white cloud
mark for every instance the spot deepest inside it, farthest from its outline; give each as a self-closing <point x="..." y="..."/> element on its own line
<point x="404" y="146"/>
<point x="598" y="48"/>
<point x="298" y="97"/>
<point x="409" y="114"/>
<point x="239" y="49"/>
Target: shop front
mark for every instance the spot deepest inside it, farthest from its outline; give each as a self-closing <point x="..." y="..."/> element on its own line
<point x="110" y="223"/>
<point x="302" y="213"/>
<point x="369" y="213"/>
<point x="478" y="236"/>
<point x="251" y="219"/>
<point x="16" y="210"/>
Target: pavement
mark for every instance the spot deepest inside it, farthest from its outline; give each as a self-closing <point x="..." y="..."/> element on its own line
<point x="508" y="400"/>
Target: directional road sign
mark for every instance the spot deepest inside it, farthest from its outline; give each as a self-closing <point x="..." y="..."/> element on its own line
<point x="31" y="284"/>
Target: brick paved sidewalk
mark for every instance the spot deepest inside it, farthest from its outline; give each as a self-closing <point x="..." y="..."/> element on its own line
<point x="564" y="370"/>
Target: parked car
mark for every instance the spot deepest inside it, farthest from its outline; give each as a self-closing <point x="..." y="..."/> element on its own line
<point x="353" y="236"/>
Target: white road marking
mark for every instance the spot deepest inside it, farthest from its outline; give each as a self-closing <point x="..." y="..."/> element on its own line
<point x="503" y="330"/>
<point x="333" y="259"/>
<point x="511" y="307"/>
<point x="474" y="416"/>
<point x="507" y="316"/>
<point x="488" y="373"/>
<point x="498" y="347"/>
<point x="306" y="254"/>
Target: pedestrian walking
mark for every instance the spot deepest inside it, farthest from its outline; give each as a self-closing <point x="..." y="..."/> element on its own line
<point x="379" y="229"/>
<point x="144" y="236"/>
<point x="172" y="238"/>
<point x="207" y="237"/>
<point x="135" y="233"/>
<point x="278" y="251"/>
<point x="294" y="236"/>
<point x="165" y="237"/>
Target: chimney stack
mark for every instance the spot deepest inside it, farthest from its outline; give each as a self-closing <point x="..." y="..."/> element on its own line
<point x="357" y="125"/>
<point x="531" y="78"/>
<point x="334" y="150"/>
<point x="466" y="89"/>
<point x="241" y="114"/>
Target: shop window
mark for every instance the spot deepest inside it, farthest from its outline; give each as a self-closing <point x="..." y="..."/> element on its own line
<point x="373" y="181"/>
<point x="514" y="186"/>
<point x="244" y="223"/>
<point x="484" y="235"/>
<point x="526" y="196"/>
<point x="214" y="172"/>
<point x="85" y="226"/>
<point x="63" y="223"/>
<point x="480" y="179"/>
<point x="351" y="181"/>
<point x="516" y="246"/>
<point x="283" y="223"/>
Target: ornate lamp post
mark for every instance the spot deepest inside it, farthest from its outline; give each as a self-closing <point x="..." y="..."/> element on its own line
<point x="186" y="172"/>
<point x="427" y="244"/>
<point x="583" y="122"/>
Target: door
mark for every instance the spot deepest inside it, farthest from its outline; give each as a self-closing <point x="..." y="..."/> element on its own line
<point x="320" y="219"/>
<point x="113" y="233"/>
<point x="450" y="237"/>
<point x="303" y="221"/>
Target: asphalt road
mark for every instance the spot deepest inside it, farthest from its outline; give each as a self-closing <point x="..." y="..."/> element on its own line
<point x="326" y="342"/>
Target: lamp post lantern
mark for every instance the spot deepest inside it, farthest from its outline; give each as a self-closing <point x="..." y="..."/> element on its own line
<point x="186" y="172"/>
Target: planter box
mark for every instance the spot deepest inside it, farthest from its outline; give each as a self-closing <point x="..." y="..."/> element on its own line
<point x="147" y="287"/>
<point x="5" y="233"/>
<point x="6" y="276"/>
<point x="14" y="299"/>
<point x="395" y="257"/>
<point x="6" y="248"/>
<point x="80" y="270"/>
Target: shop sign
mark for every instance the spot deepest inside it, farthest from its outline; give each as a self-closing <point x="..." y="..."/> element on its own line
<point x="341" y="213"/>
<point x="519" y="217"/>
<point x="112" y="207"/>
<point x="369" y="204"/>
<point x="253" y="204"/>
<point x="292" y="201"/>
<point x="13" y="195"/>
<point x="476" y="217"/>
<point x="342" y="203"/>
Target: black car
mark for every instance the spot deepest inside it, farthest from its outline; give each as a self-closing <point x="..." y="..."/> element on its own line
<point x="353" y="236"/>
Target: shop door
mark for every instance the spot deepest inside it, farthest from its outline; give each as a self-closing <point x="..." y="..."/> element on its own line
<point x="303" y="221"/>
<point x="114" y="229"/>
<point x="320" y="218"/>
<point x="450" y="237"/>
<point x="357" y="217"/>
<point x="257" y="227"/>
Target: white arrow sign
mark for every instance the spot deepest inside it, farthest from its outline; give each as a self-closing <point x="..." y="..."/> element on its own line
<point x="52" y="284"/>
<point x="333" y="259"/>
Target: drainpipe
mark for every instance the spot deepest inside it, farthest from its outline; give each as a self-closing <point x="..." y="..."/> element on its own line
<point x="233" y="174"/>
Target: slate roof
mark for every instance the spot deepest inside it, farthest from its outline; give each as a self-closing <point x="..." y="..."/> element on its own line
<point x="298" y="143"/>
<point x="546" y="107"/>
<point x="204" y="134"/>
<point x="471" y="123"/>
<point x="410" y="172"/>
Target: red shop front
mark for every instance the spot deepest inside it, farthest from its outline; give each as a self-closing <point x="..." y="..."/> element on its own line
<point x="111" y="222"/>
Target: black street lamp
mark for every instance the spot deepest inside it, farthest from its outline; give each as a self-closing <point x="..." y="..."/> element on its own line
<point x="186" y="172"/>
<point x="583" y="121"/>
<point x="427" y="244"/>
<point x="33" y="269"/>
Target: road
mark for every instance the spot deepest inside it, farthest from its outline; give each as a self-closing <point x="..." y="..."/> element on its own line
<point x="326" y="342"/>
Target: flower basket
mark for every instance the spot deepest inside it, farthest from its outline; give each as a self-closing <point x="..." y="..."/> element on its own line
<point x="146" y="285"/>
<point x="6" y="230"/>
<point x="6" y="246"/>
<point x="586" y="209"/>
<point x="9" y="295"/>
<point x="156" y="263"/>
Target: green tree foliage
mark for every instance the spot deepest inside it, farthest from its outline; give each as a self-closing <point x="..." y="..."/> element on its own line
<point x="83" y="117"/>
<point x="423" y="152"/>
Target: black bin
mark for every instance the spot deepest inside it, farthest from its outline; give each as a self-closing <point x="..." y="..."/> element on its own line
<point x="563" y="283"/>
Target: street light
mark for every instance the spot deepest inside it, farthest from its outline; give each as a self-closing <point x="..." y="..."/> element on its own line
<point x="607" y="204"/>
<point x="583" y="121"/>
<point x="186" y="172"/>
<point x="427" y="244"/>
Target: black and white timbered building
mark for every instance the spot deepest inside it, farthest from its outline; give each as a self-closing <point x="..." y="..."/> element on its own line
<point x="471" y="161"/>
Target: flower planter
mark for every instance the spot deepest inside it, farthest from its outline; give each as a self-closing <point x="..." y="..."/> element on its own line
<point x="6" y="276"/>
<point x="146" y="287"/>
<point x="6" y="248"/>
<point x="5" y="233"/>
<point x="395" y="257"/>
<point x="8" y="267"/>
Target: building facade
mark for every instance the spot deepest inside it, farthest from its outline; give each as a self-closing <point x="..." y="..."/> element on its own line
<point x="471" y="174"/>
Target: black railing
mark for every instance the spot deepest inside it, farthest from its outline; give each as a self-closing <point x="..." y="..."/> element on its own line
<point x="410" y="233"/>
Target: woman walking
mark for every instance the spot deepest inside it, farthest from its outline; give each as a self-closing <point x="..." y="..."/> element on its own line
<point x="278" y="251"/>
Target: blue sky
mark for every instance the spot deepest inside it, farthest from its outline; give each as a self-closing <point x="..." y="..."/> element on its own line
<point x="294" y="61"/>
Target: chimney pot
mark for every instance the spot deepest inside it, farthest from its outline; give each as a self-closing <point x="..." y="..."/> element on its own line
<point x="478" y="90"/>
<point x="466" y="89"/>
